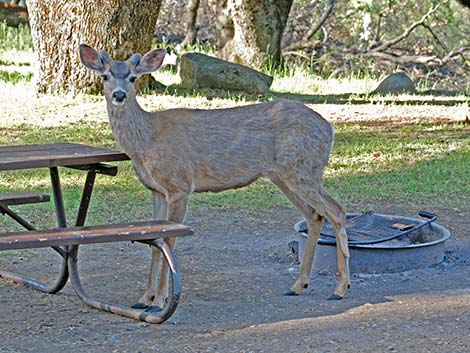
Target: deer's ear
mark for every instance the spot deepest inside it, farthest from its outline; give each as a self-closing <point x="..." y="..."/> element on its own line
<point x="150" y="62"/>
<point x="90" y="57"/>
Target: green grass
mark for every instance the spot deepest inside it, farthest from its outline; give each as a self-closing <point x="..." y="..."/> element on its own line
<point x="24" y="253"/>
<point x="15" y="76"/>
<point x="442" y="182"/>
<point x="426" y="163"/>
<point x="300" y="80"/>
<point x="18" y="38"/>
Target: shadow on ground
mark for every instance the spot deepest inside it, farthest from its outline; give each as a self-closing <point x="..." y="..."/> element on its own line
<point x="429" y="97"/>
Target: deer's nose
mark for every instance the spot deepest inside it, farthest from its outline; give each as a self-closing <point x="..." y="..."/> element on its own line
<point x="119" y="96"/>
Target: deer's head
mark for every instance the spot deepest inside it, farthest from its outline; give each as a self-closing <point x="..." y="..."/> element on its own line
<point x="119" y="76"/>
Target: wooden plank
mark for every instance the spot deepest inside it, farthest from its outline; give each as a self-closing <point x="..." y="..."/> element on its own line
<point x="92" y="234"/>
<point x="21" y="198"/>
<point x="55" y="155"/>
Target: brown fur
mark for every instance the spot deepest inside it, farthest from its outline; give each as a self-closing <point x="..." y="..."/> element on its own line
<point x="179" y="151"/>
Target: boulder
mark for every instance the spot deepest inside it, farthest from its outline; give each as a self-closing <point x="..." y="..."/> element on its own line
<point x="202" y="71"/>
<point x="396" y="83"/>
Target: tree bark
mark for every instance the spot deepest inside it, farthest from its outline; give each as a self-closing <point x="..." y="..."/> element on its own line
<point x="258" y="26"/>
<point x="121" y="27"/>
<point x="223" y="21"/>
<point x="191" y="22"/>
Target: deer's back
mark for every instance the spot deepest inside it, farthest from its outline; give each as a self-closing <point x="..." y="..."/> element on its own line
<point x="226" y="148"/>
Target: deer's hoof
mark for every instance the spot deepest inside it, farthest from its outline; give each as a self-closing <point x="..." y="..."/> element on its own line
<point x="291" y="293"/>
<point x="153" y="309"/>
<point x="335" y="297"/>
<point x="139" y="306"/>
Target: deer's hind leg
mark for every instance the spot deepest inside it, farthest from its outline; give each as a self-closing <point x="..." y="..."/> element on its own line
<point x="336" y="214"/>
<point x="314" y="222"/>
<point x="314" y="194"/>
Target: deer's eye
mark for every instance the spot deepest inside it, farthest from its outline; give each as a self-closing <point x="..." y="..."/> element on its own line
<point x="104" y="77"/>
<point x="132" y="79"/>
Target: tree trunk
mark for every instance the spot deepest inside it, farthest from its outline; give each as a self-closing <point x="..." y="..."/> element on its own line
<point x="191" y="22"/>
<point x="223" y="21"/>
<point x="258" y="26"/>
<point x="121" y="27"/>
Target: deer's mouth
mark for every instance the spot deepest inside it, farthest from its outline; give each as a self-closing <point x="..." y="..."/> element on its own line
<point x="118" y="102"/>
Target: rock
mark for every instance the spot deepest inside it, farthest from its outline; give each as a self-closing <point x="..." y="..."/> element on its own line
<point x="396" y="83"/>
<point x="13" y="15"/>
<point x="202" y="71"/>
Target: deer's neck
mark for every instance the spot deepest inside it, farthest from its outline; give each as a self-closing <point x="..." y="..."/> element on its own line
<point x="130" y="125"/>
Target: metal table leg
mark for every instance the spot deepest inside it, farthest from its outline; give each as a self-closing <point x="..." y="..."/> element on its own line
<point x="63" y="275"/>
<point x="58" y="198"/>
<point x="47" y="288"/>
<point x="4" y="209"/>
<point x="86" y="196"/>
<point x="174" y="288"/>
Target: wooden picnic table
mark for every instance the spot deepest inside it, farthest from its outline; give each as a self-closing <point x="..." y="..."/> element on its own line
<point x="54" y="155"/>
<point x="65" y="240"/>
<point x="61" y="154"/>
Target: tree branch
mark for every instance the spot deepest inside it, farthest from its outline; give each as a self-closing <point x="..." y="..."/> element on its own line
<point x="442" y="45"/>
<point x="296" y="53"/>
<point x="401" y="59"/>
<point x="406" y="33"/>
<point x="306" y="41"/>
<point x="329" y="8"/>
<point x="303" y="44"/>
<point x="432" y="60"/>
<point x="453" y="53"/>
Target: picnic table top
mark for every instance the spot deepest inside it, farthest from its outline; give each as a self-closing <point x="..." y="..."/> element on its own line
<point x="55" y="155"/>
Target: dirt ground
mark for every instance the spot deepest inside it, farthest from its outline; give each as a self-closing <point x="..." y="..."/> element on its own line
<point x="235" y="270"/>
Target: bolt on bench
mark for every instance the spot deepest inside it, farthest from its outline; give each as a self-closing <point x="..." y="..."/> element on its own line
<point x="66" y="240"/>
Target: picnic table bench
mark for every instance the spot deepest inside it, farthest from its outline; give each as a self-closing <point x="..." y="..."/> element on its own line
<point x="69" y="240"/>
<point x="66" y="240"/>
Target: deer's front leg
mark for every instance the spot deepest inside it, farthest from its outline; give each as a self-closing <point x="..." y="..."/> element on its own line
<point x="177" y="205"/>
<point x="160" y="207"/>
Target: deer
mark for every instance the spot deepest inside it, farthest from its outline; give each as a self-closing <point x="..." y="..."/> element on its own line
<point x="178" y="152"/>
